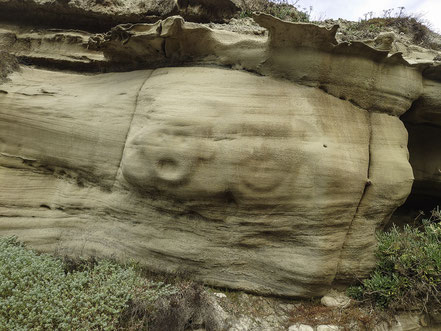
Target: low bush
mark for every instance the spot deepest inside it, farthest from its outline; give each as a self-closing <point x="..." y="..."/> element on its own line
<point x="283" y="9"/>
<point x="409" y="25"/>
<point x="39" y="292"/>
<point x="412" y="26"/>
<point x="408" y="271"/>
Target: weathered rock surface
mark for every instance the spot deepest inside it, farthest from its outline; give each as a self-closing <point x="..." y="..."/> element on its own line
<point x="335" y="299"/>
<point x="392" y="82"/>
<point x="53" y="48"/>
<point x="300" y="327"/>
<point x="423" y="121"/>
<point x="271" y="179"/>
<point x="96" y="15"/>
<point x="424" y="147"/>
<point x="198" y="155"/>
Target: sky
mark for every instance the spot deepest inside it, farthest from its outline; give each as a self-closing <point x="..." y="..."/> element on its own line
<point x="429" y="10"/>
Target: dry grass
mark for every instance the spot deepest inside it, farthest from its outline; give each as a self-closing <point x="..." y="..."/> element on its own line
<point x="282" y="9"/>
<point x="353" y="317"/>
<point x="411" y="26"/>
<point x="408" y="25"/>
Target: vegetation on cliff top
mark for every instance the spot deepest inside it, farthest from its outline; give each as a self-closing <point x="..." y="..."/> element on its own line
<point x="282" y="9"/>
<point x="411" y="26"/>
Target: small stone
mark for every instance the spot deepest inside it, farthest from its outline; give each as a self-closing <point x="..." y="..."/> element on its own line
<point x="220" y="295"/>
<point x="328" y="328"/>
<point x="336" y="300"/>
<point x="300" y="327"/>
<point x="383" y="326"/>
<point x="408" y="321"/>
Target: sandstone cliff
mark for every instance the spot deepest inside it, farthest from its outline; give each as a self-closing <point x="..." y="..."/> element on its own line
<point x="260" y="162"/>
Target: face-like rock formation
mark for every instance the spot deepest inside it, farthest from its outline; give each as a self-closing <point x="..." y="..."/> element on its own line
<point x="212" y="137"/>
<point x="271" y="179"/>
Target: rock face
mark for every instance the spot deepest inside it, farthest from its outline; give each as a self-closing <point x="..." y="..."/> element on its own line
<point x="423" y="121"/>
<point x="271" y="178"/>
<point x="103" y="14"/>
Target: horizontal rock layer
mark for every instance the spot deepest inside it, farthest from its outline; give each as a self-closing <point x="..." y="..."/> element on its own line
<point x="100" y="15"/>
<point x="271" y="178"/>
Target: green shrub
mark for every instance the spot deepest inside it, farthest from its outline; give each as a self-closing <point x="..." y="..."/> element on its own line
<point x="36" y="293"/>
<point x="282" y="9"/>
<point x="405" y="24"/>
<point x="408" y="271"/>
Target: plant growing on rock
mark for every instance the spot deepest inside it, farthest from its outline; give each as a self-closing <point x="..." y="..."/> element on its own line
<point x="408" y="271"/>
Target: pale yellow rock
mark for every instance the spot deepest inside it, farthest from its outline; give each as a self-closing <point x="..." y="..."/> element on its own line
<point x="245" y="181"/>
<point x="383" y="42"/>
<point x="273" y="182"/>
<point x="76" y="122"/>
<point x="300" y="327"/>
<point x="427" y="109"/>
<point x="49" y="47"/>
<point x="312" y="56"/>
<point x="424" y="147"/>
<point x="389" y="183"/>
<point x="335" y="299"/>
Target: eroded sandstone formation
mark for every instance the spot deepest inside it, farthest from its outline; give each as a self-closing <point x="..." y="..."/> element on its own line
<point x="263" y="163"/>
<point x="99" y="15"/>
<point x="423" y="121"/>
